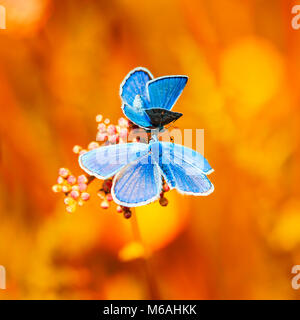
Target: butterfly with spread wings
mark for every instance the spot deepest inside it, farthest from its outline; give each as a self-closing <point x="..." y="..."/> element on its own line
<point x="139" y="168"/>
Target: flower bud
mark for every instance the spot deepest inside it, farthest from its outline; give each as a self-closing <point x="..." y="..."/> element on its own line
<point x="77" y="149"/>
<point x="56" y="188"/>
<point x="99" y="117"/>
<point x="82" y="187"/>
<point x="101" y="127"/>
<point x="104" y="204"/>
<point x="163" y="201"/>
<point x="101" y="136"/>
<point x="74" y="194"/>
<point x="93" y="145"/>
<point x="82" y="179"/>
<point x="111" y="129"/>
<point x="109" y="197"/>
<point x="63" y="172"/>
<point x="60" y="180"/>
<point x="71" y="179"/>
<point x="85" y="196"/>
<point x="65" y="188"/>
<point x="69" y="201"/>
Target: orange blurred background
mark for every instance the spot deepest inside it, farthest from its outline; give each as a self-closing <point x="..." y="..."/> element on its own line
<point x="61" y="63"/>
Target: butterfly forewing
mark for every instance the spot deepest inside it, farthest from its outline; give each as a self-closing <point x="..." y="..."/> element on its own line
<point x="106" y="161"/>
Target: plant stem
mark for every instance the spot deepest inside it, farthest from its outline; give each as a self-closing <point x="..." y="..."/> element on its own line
<point x="153" y="290"/>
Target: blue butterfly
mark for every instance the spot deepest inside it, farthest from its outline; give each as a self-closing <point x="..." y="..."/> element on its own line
<point x="139" y="168"/>
<point x="147" y="102"/>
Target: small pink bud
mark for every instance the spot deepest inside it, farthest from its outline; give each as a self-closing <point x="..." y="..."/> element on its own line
<point x="109" y="197"/>
<point x="101" y="136"/>
<point x="65" y="188"/>
<point x="77" y="149"/>
<point x="82" y="187"/>
<point x="56" y="188"/>
<point x="63" y="172"/>
<point x="123" y="133"/>
<point x="104" y="204"/>
<point x="85" y="196"/>
<point x="101" y="127"/>
<point x="71" y="179"/>
<point x="123" y="122"/>
<point x="75" y="188"/>
<point x="74" y="194"/>
<point x="119" y="209"/>
<point x="99" y="117"/>
<point x="69" y="201"/>
<point x="82" y="179"/>
<point x="111" y="129"/>
<point x="60" y="180"/>
<point x="113" y="138"/>
<point x="93" y="145"/>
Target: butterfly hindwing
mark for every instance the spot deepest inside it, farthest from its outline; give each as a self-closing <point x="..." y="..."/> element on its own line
<point x="164" y="91"/>
<point x="139" y="117"/>
<point x="184" y="154"/>
<point x="138" y="183"/>
<point x="104" y="162"/>
<point x="182" y="172"/>
<point x="160" y="117"/>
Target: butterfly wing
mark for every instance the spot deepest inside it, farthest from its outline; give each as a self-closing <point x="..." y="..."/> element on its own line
<point x="160" y="117"/>
<point x="164" y="91"/>
<point x="139" y="117"/>
<point x="104" y="162"/>
<point x="138" y="183"/>
<point x="184" y="154"/>
<point x="183" y="172"/>
<point x="134" y="85"/>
